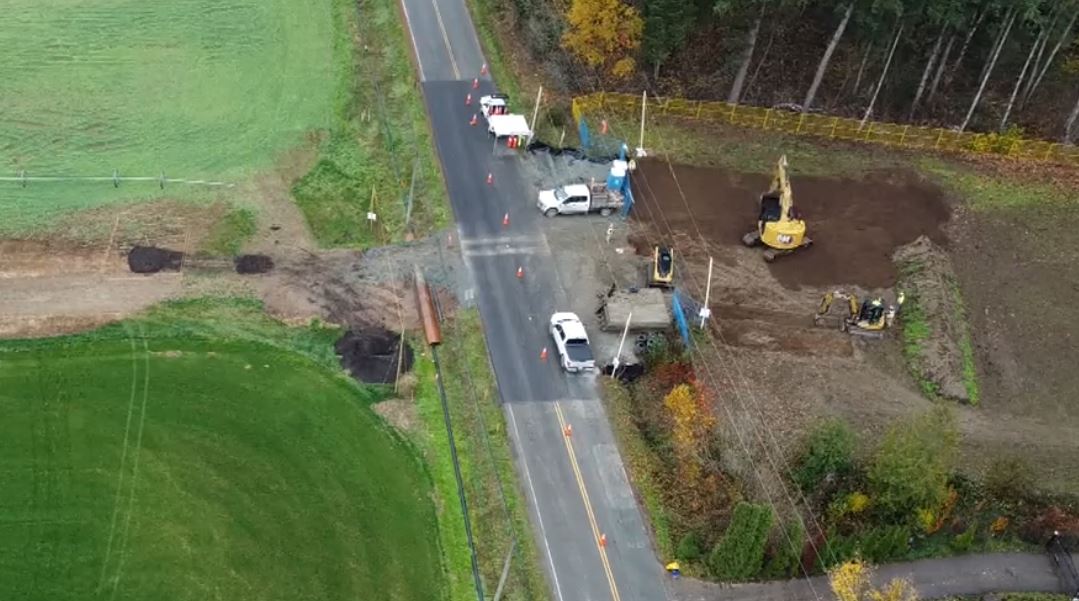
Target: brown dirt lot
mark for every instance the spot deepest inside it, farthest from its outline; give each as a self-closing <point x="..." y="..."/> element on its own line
<point x="774" y="372"/>
<point x="855" y="224"/>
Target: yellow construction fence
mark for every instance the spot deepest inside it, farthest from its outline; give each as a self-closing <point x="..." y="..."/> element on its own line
<point x="603" y="104"/>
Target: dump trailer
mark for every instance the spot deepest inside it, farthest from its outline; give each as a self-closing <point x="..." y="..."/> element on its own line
<point x="651" y="310"/>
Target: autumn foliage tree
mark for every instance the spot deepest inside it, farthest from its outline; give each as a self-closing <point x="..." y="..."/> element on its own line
<point x="604" y="34"/>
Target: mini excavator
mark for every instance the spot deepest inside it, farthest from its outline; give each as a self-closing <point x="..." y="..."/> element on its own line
<point x="870" y="318"/>
<point x="778" y="227"/>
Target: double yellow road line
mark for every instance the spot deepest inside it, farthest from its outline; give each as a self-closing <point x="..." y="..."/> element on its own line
<point x="598" y="536"/>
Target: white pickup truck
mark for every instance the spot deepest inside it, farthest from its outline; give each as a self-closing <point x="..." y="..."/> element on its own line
<point x="577" y="199"/>
<point x="571" y="342"/>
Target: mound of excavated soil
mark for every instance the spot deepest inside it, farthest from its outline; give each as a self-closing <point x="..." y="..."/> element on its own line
<point x="371" y="355"/>
<point x="855" y="225"/>
<point x="253" y="264"/>
<point x="935" y="351"/>
<point x="150" y="259"/>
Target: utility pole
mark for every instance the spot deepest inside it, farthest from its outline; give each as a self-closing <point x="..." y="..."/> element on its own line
<point x="706" y="311"/>
<point x="640" y="143"/>
<point x="535" y="113"/>
<point x="618" y="356"/>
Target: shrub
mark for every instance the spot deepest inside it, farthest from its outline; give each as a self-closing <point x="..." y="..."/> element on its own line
<point x="1008" y="478"/>
<point x="689" y="548"/>
<point x="829" y="451"/>
<point x="963" y="542"/>
<point x="740" y="553"/>
<point x="911" y="467"/>
<point x="884" y="543"/>
<point x="786" y="557"/>
<point x="999" y="525"/>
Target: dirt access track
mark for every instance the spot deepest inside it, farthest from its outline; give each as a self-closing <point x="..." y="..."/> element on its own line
<point x="774" y="369"/>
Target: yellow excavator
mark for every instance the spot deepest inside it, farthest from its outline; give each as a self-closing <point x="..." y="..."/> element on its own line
<point x="869" y="318"/>
<point x="778" y="227"/>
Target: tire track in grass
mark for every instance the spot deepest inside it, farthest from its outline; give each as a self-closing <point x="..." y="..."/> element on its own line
<point x="123" y="460"/>
<point x="135" y="466"/>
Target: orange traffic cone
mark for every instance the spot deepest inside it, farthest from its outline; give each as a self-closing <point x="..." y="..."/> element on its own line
<point x="490" y="178"/>
<point x="505" y="220"/>
<point x="475" y="83"/>
<point x="520" y="272"/>
<point x="468" y="100"/>
<point x="603" y="540"/>
<point x="473" y="120"/>
<point x="483" y="69"/>
<point x="567" y="431"/>
<point x="543" y="354"/>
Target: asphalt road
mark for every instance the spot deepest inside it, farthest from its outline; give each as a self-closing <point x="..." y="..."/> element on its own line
<point x="588" y="526"/>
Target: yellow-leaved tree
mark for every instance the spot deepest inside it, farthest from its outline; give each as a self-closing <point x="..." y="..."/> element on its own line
<point x="850" y="581"/>
<point x="604" y="34"/>
<point x="693" y="421"/>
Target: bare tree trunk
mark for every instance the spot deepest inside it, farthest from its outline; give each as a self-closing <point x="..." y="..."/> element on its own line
<point x="861" y="67"/>
<point x="760" y="62"/>
<point x="747" y="56"/>
<point x="1019" y="81"/>
<point x="966" y="44"/>
<point x="1044" y="38"/>
<point x="1049" y="61"/>
<point x="823" y="66"/>
<point x="940" y="68"/>
<point x="925" y="74"/>
<point x="1070" y="124"/>
<point x="1001" y="36"/>
<point x="1008" y="22"/>
<point x="883" y="74"/>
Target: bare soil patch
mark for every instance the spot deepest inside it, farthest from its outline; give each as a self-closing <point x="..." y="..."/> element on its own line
<point x="253" y="264"/>
<point x="856" y="225"/>
<point x="373" y="355"/>
<point x="150" y="259"/>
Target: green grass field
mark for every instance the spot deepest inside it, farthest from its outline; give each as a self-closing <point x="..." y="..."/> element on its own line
<point x="199" y="89"/>
<point x="204" y="451"/>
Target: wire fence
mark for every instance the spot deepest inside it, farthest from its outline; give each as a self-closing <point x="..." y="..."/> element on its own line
<point x="24" y="179"/>
<point x="1007" y="144"/>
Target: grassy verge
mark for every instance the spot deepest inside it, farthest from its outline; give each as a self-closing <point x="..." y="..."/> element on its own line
<point x="497" y="508"/>
<point x="231" y="232"/>
<point x="640" y="463"/>
<point x="204" y="450"/>
<point x="379" y="134"/>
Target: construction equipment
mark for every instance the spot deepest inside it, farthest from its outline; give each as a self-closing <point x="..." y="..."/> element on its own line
<point x="778" y="227"/>
<point x="869" y="318"/>
<point x="662" y="275"/>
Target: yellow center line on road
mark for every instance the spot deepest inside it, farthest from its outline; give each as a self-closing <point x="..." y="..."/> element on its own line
<point x="446" y="40"/>
<point x="587" y="503"/>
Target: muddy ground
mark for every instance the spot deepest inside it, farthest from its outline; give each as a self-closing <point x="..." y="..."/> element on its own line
<point x="776" y="373"/>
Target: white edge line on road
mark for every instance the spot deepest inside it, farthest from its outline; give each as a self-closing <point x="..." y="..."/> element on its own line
<point x="412" y="38"/>
<point x="535" y="501"/>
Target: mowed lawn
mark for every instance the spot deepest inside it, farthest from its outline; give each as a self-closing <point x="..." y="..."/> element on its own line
<point x="204" y="452"/>
<point x="197" y="89"/>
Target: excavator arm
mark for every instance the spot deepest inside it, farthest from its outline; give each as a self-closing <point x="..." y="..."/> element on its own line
<point x="781" y="187"/>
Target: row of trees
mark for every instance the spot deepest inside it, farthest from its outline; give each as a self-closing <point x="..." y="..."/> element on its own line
<point x="957" y="62"/>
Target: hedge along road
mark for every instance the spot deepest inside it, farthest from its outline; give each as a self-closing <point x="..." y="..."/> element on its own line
<point x="578" y="489"/>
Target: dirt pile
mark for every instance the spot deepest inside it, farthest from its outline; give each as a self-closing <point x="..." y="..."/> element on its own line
<point x="936" y="336"/>
<point x="855" y="224"/>
<point x="151" y="259"/>
<point x="246" y="264"/>
<point x="371" y="355"/>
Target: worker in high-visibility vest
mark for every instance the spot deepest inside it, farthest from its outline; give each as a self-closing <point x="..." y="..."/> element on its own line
<point x="674" y="569"/>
